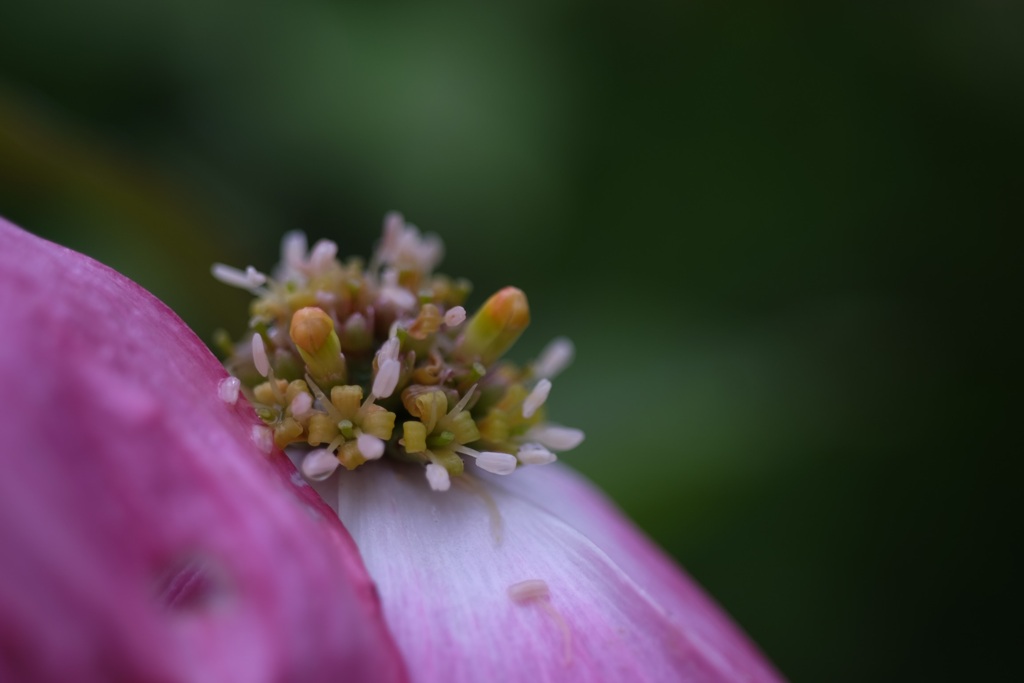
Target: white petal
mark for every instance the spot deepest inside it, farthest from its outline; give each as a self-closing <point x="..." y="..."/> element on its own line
<point x="456" y="605"/>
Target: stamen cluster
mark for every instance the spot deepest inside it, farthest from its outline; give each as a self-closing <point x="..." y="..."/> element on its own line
<point x="358" y="362"/>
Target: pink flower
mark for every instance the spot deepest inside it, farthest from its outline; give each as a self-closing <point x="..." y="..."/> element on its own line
<point x="145" y="536"/>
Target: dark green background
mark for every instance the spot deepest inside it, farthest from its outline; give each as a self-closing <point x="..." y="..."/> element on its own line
<point x="780" y="236"/>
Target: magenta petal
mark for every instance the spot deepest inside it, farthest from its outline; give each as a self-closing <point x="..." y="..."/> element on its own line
<point x="143" y="536"/>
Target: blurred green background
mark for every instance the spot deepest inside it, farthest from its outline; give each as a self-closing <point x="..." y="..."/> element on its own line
<point x="780" y="236"/>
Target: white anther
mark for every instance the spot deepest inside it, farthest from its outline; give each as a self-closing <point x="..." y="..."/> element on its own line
<point x="370" y="446"/>
<point x="535" y="454"/>
<point x="430" y="253"/>
<point x="387" y="378"/>
<point x="324" y="299"/>
<point x="293" y="249"/>
<point x="228" y="390"/>
<point x="262" y="437"/>
<point x="556" y="438"/>
<point x="394" y="295"/>
<point x="255" y="277"/>
<point x="248" y="279"/>
<point x="403" y="246"/>
<point x="394" y="222"/>
<point x="259" y="355"/>
<point x="536" y="398"/>
<point x="438" y="477"/>
<point x="537" y="591"/>
<point x="300" y="404"/>
<point x="389" y="350"/>
<point x="498" y="463"/>
<point x="555" y="357"/>
<point x="455" y="316"/>
<point x="322" y="255"/>
<point x="319" y="464"/>
<point x="531" y="589"/>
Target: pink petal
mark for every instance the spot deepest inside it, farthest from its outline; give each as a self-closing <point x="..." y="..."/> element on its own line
<point x="143" y="536"/>
<point x="445" y="564"/>
<point x="568" y="496"/>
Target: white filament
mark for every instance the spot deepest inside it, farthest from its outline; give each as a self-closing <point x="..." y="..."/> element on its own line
<point x="463" y="402"/>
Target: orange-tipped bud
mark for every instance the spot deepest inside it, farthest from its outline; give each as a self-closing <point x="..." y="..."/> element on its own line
<point x="312" y="332"/>
<point x="311" y="328"/>
<point x="495" y="327"/>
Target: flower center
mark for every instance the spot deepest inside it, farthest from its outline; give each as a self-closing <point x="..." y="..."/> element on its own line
<point x="357" y="362"/>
